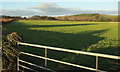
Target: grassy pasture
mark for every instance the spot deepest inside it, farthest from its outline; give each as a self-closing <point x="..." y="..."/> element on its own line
<point x="101" y="37"/>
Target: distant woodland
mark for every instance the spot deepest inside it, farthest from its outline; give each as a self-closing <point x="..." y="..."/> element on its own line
<point x="78" y="17"/>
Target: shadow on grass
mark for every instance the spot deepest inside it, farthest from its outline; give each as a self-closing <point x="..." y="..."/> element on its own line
<point x="60" y="25"/>
<point x="108" y="50"/>
<point x="78" y="41"/>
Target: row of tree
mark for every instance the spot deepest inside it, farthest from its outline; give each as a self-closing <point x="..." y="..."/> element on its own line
<point x="79" y="17"/>
<point x="88" y="17"/>
<point x="37" y="17"/>
<point x="10" y="17"/>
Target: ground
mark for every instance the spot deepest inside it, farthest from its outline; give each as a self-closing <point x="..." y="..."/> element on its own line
<point x="100" y="37"/>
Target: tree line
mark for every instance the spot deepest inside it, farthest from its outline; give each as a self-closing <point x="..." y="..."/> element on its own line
<point x="37" y="17"/>
<point x="10" y="17"/>
<point x="89" y="17"/>
<point x="78" y="17"/>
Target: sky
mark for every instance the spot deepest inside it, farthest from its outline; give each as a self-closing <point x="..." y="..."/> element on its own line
<point x="58" y="8"/>
<point x="59" y="0"/>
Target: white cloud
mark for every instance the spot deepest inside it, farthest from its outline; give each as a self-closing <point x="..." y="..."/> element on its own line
<point x="17" y="12"/>
<point x="52" y="9"/>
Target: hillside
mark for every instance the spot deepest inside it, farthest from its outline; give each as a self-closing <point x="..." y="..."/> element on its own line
<point x="79" y="17"/>
<point x="89" y="17"/>
<point x="96" y="14"/>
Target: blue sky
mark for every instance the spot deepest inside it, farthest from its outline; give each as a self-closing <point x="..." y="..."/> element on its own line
<point x="81" y="5"/>
<point x="70" y="7"/>
<point x="59" y="0"/>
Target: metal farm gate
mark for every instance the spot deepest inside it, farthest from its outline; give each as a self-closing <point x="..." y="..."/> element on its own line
<point x="97" y="55"/>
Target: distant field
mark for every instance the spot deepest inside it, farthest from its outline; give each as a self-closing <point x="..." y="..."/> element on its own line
<point x="101" y="37"/>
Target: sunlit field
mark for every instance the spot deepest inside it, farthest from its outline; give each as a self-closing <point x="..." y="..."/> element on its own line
<point x="100" y="37"/>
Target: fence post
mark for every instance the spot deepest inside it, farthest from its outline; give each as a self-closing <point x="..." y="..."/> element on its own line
<point x="18" y="58"/>
<point x="45" y="57"/>
<point x="96" y="63"/>
<point x="17" y="64"/>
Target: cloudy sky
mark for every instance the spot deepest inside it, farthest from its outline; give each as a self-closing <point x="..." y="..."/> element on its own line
<point x="58" y="8"/>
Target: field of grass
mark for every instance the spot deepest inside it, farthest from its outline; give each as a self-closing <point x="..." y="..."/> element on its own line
<point x="101" y="37"/>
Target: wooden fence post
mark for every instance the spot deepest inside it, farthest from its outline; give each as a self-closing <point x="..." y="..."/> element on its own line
<point x="17" y="64"/>
<point x="96" y="63"/>
<point x="45" y="57"/>
<point x="18" y="58"/>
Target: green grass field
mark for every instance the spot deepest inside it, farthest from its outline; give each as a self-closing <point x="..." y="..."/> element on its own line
<point x="100" y="37"/>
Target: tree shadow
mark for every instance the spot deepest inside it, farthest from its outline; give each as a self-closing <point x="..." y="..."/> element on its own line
<point x="107" y="50"/>
<point x="110" y="65"/>
<point x="60" y="25"/>
<point x="78" y="41"/>
<point x="75" y="41"/>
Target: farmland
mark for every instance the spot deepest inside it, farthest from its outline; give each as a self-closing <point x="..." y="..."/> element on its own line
<point x="5" y="20"/>
<point x="100" y="37"/>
